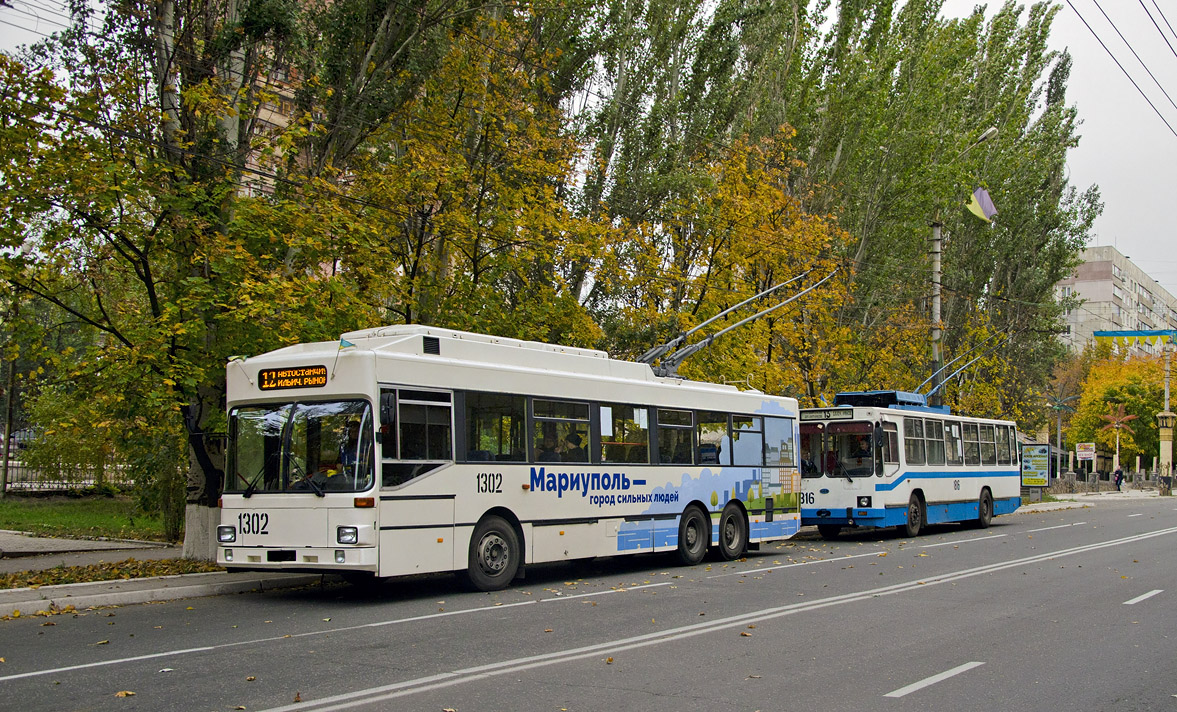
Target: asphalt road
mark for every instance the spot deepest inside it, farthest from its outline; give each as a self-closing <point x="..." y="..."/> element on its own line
<point x="1062" y="610"/>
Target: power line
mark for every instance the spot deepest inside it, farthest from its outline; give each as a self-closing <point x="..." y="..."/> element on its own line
<point x="1133" y="51"/>
<point x="1125" y="71"/>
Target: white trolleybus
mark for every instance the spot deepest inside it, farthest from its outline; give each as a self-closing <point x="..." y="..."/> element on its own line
<point x="407" y="449"/>
<point x="884" y="458"/>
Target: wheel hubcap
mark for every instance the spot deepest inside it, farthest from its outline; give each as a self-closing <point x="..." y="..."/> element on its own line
<point x="493" y="554"/>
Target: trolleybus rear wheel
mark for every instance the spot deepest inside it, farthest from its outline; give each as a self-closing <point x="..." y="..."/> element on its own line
<point x="984" y="510"/>
<point x="915" y="516"/>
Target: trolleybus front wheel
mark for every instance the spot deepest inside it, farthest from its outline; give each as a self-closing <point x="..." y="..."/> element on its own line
<point x="694" y="534"/>
<point x="494" y="555"/>
<point x="733" y="533"/>
<point x="828" y="531"/>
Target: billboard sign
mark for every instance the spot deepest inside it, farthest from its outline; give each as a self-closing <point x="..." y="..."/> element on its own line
<point x="1035" y="465"/>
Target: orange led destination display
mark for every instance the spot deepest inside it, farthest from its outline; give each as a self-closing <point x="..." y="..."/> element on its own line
<point x="272" y="379"/>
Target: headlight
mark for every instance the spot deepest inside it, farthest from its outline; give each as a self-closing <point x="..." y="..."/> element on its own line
<point x="347" y="535"/>
<point x="226" y="535"/>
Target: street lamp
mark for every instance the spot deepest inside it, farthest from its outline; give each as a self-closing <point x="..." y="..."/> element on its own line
<point x="936" y="397"/>
<point x="1058" y="405"/>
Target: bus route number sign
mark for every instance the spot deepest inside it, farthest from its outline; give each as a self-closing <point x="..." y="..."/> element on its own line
<point x="272" y="379"/>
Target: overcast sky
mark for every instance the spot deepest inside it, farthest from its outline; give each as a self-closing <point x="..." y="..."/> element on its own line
<point x="1125" y="147"/>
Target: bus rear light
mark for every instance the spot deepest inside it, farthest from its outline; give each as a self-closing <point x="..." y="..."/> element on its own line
<point x="364" y="502"/>
<point x="346" y="535"/>
<point x="220" y="502"/>
<point x="226" y="535"/>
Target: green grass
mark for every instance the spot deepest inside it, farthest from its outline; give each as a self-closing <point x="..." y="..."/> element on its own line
<point x="92" y="516"/>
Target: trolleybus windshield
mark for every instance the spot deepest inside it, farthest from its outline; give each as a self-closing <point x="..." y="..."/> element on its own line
<point x="837" y="449"/>
<point x="301" y="447"/>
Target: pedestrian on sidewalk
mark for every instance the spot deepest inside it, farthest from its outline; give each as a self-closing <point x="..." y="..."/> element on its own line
<point x="1119" y="478"/>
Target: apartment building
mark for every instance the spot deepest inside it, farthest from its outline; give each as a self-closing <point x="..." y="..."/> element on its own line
<point x="1117" y="296"/>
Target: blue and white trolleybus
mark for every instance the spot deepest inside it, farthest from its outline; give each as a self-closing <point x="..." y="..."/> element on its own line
<point x="885" y="458"/>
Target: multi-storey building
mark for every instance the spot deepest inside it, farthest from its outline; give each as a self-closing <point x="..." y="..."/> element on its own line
<point x="1117" y="296"/>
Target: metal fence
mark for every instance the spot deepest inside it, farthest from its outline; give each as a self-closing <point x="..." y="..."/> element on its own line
<point x="23" y="477"/>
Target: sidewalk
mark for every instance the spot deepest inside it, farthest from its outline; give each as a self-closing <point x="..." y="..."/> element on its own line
<point x="21" y="552"/>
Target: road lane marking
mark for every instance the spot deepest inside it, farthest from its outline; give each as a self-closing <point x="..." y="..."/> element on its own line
<point x="961" y="541"/>
<point x="404" y="688"/>
<point x="1136" y="515"/>
<point x="601" y="593"/>
<point x="929" y="681"/>
<point x="1142" y="597"/>
<point x="1060" y="526"/>
<point x="745" y="572"/>
<point x="414" y="686"/>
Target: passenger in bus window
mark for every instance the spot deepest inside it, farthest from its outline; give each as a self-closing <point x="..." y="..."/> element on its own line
<point x="546" y="450"/>
<point x="573" y="452"/>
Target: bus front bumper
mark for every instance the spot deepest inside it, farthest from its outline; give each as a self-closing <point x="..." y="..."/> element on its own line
<point x="854" y="516"/>
<point x="339" y="558"/>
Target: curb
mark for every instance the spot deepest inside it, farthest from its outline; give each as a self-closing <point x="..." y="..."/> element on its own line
<point x="160" y="588"/>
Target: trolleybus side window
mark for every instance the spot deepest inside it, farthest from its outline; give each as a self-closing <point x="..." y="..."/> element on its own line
<point x="711" y="429"/>
<point x="747" y="440"/>
<point x="625" y="433"/>
<point x="496" y="427"/>
<point x="988" y="448"/>
<point x="913" y="440"/>
<point x="561" y="430"/>
<point x="1003" y="457"/>
<point x="1013" y="446"/>
<point x="425" y="434"/>
<point x="675" y="433"/>
<point x="891" y="447"/>
<point x="972" y="445"/>
<point x="811" y="450"/>
<point x="934" y="434"/>
<point x="778" y="443"/>
<point x="952" y="443"/>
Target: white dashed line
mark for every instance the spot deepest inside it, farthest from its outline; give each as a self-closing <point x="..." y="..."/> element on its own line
<point x="928" y="681"/>
<point x="1061" y="526"/>
<point x="1142" y="597"/>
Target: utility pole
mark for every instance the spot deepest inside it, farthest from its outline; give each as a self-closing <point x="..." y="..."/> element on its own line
<point x="936" y="398"/>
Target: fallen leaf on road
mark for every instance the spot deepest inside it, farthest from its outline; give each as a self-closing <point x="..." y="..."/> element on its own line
<point x="165" y="670"/>
<point x="251" y="678"/>
<point x="297" y="697"/>
<point x="547" y="630"/>
<point x="745" y="634"/>
<point x="103" y="642"/>
<point x="608" y="661"/>
<point x="124" y="693"/>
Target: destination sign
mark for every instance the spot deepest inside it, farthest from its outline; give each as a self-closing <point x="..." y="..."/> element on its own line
<point x="827" y="414"/>
<point x="272" y="379"/>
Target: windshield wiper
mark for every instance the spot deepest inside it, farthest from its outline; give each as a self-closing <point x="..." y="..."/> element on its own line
<point x="305" y="478"/>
